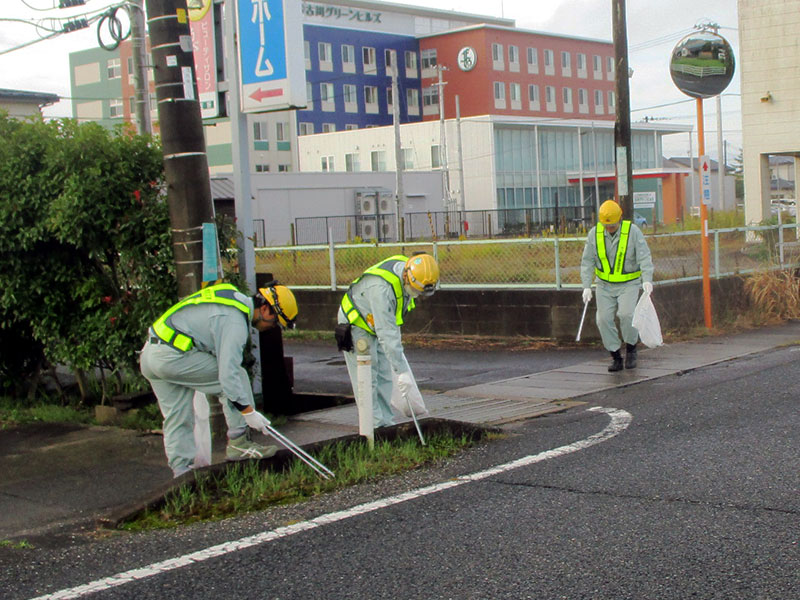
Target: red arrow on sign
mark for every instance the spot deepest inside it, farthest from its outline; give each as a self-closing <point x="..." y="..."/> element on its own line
<point x="260" y="94"/>
<point x="705" y="166"/>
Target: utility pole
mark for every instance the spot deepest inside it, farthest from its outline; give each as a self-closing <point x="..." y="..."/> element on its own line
<point x="144" y="124"/>
<point x="398" y="154"/>
<point x="463" y="201"/>
<point x="443" y="140"/>
<point x="622" y="125"/>
<point x="185" y="160"/>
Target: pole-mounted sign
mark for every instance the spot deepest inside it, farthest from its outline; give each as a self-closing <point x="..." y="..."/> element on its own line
<point x="271" y="63"/>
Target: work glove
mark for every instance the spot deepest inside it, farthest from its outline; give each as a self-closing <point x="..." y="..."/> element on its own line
<point x="410" y="391"/>
<point x="647" y="287"/>
<point x="256" y="420"/>
<point x="587" y="295"/>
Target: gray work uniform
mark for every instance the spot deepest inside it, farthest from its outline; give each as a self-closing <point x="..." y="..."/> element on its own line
<point x="213" y="366"/>
<point x="617" y="299"/>
<point x="374" y="296"/>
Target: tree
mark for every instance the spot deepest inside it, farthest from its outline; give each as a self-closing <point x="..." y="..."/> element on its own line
<point x="85" y="258"/>
<point x="738" y="173"/>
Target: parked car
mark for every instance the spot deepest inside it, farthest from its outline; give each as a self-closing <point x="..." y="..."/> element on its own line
<point x="639" y="220"/>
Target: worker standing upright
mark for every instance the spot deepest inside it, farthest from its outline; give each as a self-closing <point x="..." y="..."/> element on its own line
<point x="198" y="345"/>
<point x="373" y="309"/>
<point x="617" y="254"/>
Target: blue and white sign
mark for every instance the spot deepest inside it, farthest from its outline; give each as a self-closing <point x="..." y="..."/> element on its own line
<point x="271" y="69"/>
<point x="705" y="180"/>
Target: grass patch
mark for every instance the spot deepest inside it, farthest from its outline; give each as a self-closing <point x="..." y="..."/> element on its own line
<point x="20" y="545"/>
<point x="13" y="413"/>
<point x="244" y="487"/>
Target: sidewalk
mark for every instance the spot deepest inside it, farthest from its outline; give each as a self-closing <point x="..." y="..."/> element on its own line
<point x="58" y="480"/>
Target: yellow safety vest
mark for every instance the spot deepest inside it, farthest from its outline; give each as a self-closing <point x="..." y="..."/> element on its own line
<point x="606" y="273"/>
<point x="222" y="293"/>
<point x="384" y="270"/>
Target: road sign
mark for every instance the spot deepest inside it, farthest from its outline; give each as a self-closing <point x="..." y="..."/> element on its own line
<point x="705" y="180"/>
<point x="271" y="58"/>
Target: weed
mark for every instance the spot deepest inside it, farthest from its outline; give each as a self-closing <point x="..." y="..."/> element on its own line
<point x="20" y="545"/>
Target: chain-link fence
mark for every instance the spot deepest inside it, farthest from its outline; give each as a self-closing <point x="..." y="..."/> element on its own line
<point x="536" y="263"/>
<point x="444" y="225"/>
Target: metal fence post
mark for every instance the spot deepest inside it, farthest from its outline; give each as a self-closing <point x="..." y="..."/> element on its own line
<point x="558" y="263"/>
<point x="331" y="260"/>
<point x="435" y="251"/>
<point x="716" y="254"/>
<point x="780" y="238"/>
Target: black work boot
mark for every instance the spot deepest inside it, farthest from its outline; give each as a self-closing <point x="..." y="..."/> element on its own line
<point x="617" y="364"/>
<point x="630" y="356"/>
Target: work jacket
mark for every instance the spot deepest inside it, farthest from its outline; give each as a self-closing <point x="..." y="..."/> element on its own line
<point x="616" y="258"/>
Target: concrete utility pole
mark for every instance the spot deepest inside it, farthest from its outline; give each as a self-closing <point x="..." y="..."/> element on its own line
<point x="443" y="141"/>
<point x="185" y="160"/>
<point x="398" y="153"/>
<point x="622" y="125"/>
<point x="462" y="197"/>
<point x="144" y="125"/>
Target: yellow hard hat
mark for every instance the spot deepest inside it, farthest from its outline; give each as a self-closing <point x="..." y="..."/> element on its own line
<point x="610" y="212"/>
<point x="422" y="273"/>
<point x="283" y="303"/>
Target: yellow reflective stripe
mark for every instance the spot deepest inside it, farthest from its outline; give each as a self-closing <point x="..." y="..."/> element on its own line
<point x="605" y="273"/>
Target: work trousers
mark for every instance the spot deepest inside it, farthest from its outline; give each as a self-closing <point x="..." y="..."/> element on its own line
<point x="382" y="382"/>
<point x="174" y="377"/>
<point x="617" y="300"/>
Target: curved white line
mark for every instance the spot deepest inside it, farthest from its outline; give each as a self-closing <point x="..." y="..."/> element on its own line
<point x="620" y="420"/>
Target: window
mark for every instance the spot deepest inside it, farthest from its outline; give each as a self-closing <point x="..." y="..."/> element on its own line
<point x="282" y="131"/>
<point x="549" y="66"/>
<point x="132" y="104"/>
<point x="309" y="95"/>
<point x="566" y="96"/>
<point x="411" y="63"/>
<point x="430" y="96"/>
<point x="598" y="66"/>
<point x="261" y="168"/>
<point x="610" y="68"/>
<point x="533" y="60"/>
<point x="583" y="101"/>
<point x="533" y="97"/>
<point x="115" y="108"/>
<point x="349" y="93"/>
<point x="498" y="63"/>
<point x="407" y="157"/>
<point x="436" y="157"/>
<point x="348" y="58"/>
<point x="327" y="163"/>
<point x="378" y="160"/>
<point x="412" y="101"/>
<point x="368" y="59"/>
<point x="499" y="94"/>
<point x="284" y="168"/>
<point x="350" y="127"/>
<point x="612" y="102"/>
<point x="515" y="95"/>
<point x="598" y="102"/>
<point x="305" y="128"/>
<point x="371" y="99"/>
<point x="113" y="69"/>
<point x="581" y="65"/>
<point x="307" y="54"/>
<point x="326" y="97"/>
<point x="328" y="128"/>
<point x="389" y="98"/>
<point x="351" y="162"/>
<point x="131" y="76"/>
<point x="566" y="66"/>
<point x="387" y="57"/>
<point x="428" y="58"/>
<point x="550" y="98"/>
<point x="325" y="56"/>
<point x="260" y="131"/>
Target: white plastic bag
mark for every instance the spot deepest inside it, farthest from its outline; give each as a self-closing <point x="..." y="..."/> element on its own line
<point x="645" y="320"/>
<point x="202" y="431"/>
<point x="400" y="404"/>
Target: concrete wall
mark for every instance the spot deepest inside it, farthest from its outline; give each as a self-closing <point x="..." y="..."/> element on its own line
<point x="541" y="314"/>
<point x="769" y="61"/>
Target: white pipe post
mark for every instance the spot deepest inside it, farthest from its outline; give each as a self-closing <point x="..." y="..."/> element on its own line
<point x="331" y="259"/>
<point x="364" y="395"/>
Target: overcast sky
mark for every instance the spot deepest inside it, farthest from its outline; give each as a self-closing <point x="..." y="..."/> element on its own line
<point x="654" y="27"/>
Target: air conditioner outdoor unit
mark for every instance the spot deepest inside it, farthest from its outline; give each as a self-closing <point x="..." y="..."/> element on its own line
<point x="388" y="231"/>
<point x="386" y="204"/>
<point x="367" y="229"/>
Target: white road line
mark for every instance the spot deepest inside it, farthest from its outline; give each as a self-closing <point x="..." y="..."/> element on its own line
<point x="620" y="420"/>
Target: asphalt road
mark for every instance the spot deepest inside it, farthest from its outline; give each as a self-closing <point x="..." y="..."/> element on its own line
<point x="687" y="487"/>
